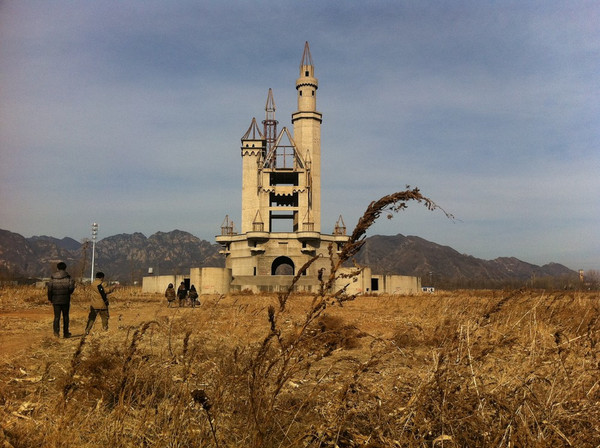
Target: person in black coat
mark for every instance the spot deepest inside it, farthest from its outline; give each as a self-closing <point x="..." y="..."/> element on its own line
<point x="182" y="294"/>
<point x="60" y="287"/>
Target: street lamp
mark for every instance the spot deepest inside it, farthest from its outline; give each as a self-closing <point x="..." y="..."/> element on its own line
<point x="94" y="235"/>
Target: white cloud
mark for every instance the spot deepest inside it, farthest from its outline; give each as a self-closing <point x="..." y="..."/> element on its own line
<point x="490" y="109"/>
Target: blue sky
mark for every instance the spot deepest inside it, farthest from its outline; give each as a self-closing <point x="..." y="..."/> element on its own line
<point x="130" y="113"/>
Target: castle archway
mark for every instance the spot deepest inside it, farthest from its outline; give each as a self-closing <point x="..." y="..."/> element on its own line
<point x="282" y="266"/>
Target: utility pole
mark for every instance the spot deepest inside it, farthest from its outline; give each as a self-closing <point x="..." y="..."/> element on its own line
<point x="94" y="235"/>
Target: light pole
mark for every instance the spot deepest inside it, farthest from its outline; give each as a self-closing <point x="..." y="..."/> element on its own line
<point x="94" y="235"/>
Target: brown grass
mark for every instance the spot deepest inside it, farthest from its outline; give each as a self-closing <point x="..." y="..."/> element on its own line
<point x="512" y="368"/>
<point x="461" y="369"/>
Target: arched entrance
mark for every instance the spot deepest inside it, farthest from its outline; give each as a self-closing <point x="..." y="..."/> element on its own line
<point x="282" y="266"/>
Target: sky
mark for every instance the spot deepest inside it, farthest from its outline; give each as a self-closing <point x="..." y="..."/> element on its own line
<point x="130" y="114"/>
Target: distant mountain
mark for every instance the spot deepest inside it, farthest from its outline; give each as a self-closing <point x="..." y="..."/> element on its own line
<point x="411" y="255"/>
<point x="128" y="257"/>
<point x="65" y="243"/>
<point x="32" y="257"/>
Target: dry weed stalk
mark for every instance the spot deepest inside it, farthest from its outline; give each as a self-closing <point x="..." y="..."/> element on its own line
<point x="273" y="366"/>
<point x="137" y="335"/>
<point x="75" y="362"/>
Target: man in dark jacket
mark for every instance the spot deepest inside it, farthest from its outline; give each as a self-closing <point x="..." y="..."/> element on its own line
<point x="60" y="288"/>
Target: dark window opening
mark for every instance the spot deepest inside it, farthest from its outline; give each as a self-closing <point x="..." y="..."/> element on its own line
<point x="283" y="179"/>
<point x="255" y="271"/>
<point x="374" y="284"/>
<point x="283" y="201"/>
<point x="306" y="73"/>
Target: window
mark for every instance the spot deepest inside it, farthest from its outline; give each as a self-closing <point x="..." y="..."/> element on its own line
<point x="374" y="284"/>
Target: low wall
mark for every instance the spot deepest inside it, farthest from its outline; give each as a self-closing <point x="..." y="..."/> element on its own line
<point x="211" y="280"/>
<point x="220" y="281"/>
<point x="402" y="284"/>
<point x="158" y="283"/>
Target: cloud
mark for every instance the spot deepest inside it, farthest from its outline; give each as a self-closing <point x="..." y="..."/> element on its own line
<point x="137" y="109"/>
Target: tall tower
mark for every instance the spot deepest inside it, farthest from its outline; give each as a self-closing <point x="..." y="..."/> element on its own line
<point x="307" y="131"/>
<point x="281" y="199"/>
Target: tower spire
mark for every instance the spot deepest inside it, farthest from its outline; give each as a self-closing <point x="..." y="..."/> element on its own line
<point x="270" y="123"/>
<point x="306" y="57"/>
<point x="307" y="84"/>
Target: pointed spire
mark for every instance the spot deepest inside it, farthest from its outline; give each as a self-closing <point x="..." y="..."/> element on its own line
<point x="270" y="123"/>
<point x="253" y="132"/>
<point x="340" y="227"/>
<point x="306" y="57"/>
<point x="270" y="106"/>
<point x="258" y="224"/>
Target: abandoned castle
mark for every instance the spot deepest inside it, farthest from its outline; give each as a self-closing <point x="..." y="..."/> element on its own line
<point x="281" y="213"/>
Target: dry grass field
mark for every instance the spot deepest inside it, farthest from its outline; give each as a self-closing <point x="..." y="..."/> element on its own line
<point x="457" y="369"/>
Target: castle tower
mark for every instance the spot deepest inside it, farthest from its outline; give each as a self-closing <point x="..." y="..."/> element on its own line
<point x="254" y="147"/>
<point x="307" y="131"/>
<point x="281" y="198"/>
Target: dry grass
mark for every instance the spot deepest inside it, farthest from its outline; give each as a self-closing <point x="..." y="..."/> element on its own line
<point x="461" y="369"/>
<point x="497" y="369"/>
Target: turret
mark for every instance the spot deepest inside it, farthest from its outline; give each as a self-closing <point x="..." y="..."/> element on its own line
<point x="253" y="153"/>
<point x="307" y="132"/>
<point x="307" y="84"/>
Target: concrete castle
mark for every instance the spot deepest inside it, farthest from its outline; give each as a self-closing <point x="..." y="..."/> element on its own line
<point x="281" y="211"/>
<point x="281" y="198"/>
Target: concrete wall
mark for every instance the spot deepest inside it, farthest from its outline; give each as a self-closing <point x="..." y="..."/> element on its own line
<point x="220" y="281"/>
<point x="159" y="283"/>
<point x="206" y="281"/>
<point x="211" y="280"/>
<point x="360" y="284"/>
<point x="401" y="284"/>
<point x="387" y="284"/>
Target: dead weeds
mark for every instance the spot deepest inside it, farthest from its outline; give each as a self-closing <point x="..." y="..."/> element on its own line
<point x="518" y="368"/>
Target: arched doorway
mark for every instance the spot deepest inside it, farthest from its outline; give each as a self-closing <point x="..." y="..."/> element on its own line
<point x="282" y="266"/>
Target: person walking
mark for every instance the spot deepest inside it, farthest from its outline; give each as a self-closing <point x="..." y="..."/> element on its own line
<point x="99" y="303"/>
<point x="170" y="294"/>
<point x="182" y="294"/>
<point x="60" y="287"/>
<point x="193" y="297"/>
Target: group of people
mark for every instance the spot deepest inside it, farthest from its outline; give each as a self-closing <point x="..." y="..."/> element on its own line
<point x="61" y="286"/>
<point x="183" y="295"/>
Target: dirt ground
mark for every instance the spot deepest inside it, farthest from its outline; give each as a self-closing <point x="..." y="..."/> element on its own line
<point x="27" y="324"/>
<point x="463" y="368"/>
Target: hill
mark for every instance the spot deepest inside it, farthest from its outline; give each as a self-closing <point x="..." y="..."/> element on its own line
<point x="435" y="264"/>
<point x="128" y="257"/>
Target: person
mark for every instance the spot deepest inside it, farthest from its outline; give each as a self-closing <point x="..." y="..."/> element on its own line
<point x="99" y="303"/>
<point x="60" y="288"/>
<point x="194" y="297"/>
<point x="170" y="294"/>
<point x="182" y="294"/>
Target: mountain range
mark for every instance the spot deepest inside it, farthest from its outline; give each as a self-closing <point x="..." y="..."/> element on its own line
<point x="128" y="257"/>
